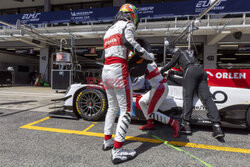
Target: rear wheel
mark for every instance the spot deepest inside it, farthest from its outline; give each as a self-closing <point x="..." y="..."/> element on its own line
<point x="91" y="104"/>
<point x="248" y="118"/>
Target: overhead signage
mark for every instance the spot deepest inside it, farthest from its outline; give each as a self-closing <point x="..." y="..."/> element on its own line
<point x="107" y="14"/>
<point x="32" y="17"/>
<point x="203" y="4"/>
<point x="81" y="15"/>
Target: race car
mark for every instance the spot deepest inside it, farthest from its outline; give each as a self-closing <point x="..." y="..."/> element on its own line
<point x="89" y="101"/>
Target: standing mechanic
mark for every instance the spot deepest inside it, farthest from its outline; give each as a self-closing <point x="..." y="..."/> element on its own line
<point x="118" y="40"/>
<point x="151" y="101"/>
<point x="194" y="79"/>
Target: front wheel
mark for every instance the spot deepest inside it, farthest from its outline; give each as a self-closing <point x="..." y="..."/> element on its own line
<point x="91" y="104"/>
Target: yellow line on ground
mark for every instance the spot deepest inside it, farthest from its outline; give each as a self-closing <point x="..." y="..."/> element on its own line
<point x="54" y="130"/>
<point x="91" y="126"/>
<point x="210" y="147"/>
<point x="36" y="122"/>
<point x="141" y="139"/>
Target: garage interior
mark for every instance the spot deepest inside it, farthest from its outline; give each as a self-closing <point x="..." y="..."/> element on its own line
<point x="221" y="40"/>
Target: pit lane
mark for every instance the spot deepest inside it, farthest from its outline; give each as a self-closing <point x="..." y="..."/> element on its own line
<point x="31" y="138"/>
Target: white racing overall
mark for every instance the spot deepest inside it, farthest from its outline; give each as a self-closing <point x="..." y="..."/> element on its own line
<point x="116" y="79"/>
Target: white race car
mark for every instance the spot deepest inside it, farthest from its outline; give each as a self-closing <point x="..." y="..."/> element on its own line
<point x="90" y="103"/>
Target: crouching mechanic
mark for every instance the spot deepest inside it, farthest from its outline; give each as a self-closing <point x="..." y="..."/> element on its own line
<point x="151" y="101"/>
<point x="194" y="80"/>
<point x="118" y="40"/>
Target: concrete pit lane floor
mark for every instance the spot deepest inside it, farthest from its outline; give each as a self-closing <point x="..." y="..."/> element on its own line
<point x="30" y="138"/>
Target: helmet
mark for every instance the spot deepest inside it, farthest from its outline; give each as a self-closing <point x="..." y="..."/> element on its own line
<point x="128" y="12"/>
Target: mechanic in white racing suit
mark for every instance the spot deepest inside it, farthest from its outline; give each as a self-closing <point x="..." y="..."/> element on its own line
<point x="151" y="101"/>
<point x="194" y="79"/>
<point x="118" y="40"/>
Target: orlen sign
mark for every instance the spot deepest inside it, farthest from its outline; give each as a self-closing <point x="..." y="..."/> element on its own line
<point x="229" y="77"/>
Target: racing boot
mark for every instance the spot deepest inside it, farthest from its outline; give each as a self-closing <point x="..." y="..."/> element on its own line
<point x="108" y="144"/>
<point x="185" y="127"/>
<point x="120" y="155"/>
<point x="217" y="132"/>
<point x="150" y="125"/>
<point x="175" y="126"/>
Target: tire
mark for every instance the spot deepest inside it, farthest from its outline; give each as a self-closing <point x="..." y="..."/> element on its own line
<point x="248" y="118"/>
<point x="91" y="104"/>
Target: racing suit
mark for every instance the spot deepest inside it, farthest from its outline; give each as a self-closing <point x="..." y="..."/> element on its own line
<point x="194" y="79"/>
<point x="118" y="40"/>
<point x="151" y="101"/>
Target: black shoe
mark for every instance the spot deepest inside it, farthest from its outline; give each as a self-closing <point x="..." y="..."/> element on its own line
<point x="217" y="132"/>
<point x="185" y="128"/>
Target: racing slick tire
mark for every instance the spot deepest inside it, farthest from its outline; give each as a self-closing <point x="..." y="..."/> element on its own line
<point x="248" y="118"/>
<point x="91" y="104"/>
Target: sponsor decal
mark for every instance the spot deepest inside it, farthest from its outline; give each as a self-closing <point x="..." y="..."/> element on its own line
<point x="218" y="97"/>
<point x="77" y="100"/>
<point x="230" y="75"/>
<point x="239" y="78"/>
<point x="31" y="17"/>
<point x="113" y="40"/>
<point x="219" y="93"/>
<point x="198" y="108"/>
<point x="103" y="104"/>
<point x="203" y="4"/>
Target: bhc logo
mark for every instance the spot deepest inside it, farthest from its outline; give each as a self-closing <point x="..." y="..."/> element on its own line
<point x="30" y="16"/>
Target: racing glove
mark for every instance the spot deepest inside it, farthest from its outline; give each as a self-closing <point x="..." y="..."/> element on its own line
<point x="173" y="50"/>
<point x="171" y="72"/>
<point x="148" y="56"/>
<point x="162" y="72"/>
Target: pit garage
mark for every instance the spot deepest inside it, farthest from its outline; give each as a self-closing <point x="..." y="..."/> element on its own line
<point x="220" y="41"/>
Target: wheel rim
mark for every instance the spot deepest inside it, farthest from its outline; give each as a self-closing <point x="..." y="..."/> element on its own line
<point x="90" y="103"/>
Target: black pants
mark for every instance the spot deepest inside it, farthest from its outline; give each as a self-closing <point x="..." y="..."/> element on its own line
<point x="195" y="80"/>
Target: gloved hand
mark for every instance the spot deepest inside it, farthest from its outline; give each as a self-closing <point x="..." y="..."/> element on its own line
<point x="163" y="72"/>
<point x="148" y="56"/>
<point x="174" y="50"/>
<point x="170" y="72"/>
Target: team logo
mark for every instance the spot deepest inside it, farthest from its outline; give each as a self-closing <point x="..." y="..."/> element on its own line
<point x="31" y="17"/>
<point x="146" y="10"/>
<point x="219" y="97"/>
<point x="228" y="75"/>
<point x="203" y="4"/>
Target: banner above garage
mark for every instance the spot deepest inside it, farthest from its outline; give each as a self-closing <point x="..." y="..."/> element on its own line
<point x="153" y="11"/>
